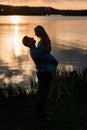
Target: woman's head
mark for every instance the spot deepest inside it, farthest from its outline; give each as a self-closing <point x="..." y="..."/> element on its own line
<point x="40" y="31"/>
<point x="28" y="41"/>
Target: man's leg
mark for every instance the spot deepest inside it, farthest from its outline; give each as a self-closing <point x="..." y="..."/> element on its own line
<point x="44" y="87"/>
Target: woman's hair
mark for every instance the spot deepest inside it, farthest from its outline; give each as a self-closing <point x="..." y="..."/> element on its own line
<point x="42" y="33"/>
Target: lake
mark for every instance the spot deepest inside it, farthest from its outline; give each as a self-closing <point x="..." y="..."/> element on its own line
<point x="69" y="44"/>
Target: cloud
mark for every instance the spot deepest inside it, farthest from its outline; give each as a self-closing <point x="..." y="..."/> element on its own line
<point x="75" y="0"/>
<point x="31" y="2"/>
<point x="24" y="1"/>
<point x="50" y="0"/>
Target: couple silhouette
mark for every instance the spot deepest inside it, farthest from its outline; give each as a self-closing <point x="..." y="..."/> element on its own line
<point x="46" y="66"/>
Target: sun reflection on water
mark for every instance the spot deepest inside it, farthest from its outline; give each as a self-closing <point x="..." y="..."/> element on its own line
<point x="15" y="19"/>
<point x="16" y="41"/>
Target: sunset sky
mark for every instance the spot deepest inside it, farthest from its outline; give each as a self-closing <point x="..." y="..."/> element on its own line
<point x="59" y="4"/>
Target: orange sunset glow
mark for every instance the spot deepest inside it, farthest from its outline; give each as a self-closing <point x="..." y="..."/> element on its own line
<point x="59" y="4"/>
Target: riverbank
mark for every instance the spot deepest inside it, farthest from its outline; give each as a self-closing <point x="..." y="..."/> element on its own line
<point x="69" y="113"/>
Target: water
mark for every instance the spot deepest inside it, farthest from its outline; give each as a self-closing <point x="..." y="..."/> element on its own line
<point x="69" y="44"/>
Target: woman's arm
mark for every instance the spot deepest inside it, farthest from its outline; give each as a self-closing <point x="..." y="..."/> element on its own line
<point x="46" y="45"/>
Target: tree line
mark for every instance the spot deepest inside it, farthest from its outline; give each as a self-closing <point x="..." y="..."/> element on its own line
<point x="27" y="10"/>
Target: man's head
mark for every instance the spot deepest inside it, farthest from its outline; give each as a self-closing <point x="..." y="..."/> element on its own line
<point x="28" y="41"/>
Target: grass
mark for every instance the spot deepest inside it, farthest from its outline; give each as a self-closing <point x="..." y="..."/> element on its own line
<point x="18" y="114"/>
<point x="70" y="113"/>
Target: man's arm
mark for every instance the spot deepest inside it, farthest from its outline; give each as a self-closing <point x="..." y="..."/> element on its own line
<point x="47" y="57"/>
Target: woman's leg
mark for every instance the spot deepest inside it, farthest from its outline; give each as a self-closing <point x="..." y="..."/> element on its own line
<point x="56" y="83"/>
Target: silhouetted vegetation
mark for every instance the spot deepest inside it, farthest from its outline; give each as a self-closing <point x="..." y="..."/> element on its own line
<point x="27" y="10"/>
<point x="73" y="12"/>
<point x="17" y="106"/>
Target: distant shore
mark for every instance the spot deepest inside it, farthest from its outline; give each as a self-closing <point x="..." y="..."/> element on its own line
<point x="27" y="10"/>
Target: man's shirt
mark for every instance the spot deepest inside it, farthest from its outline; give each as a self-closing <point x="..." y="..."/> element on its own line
<point x="41" y="59"/>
